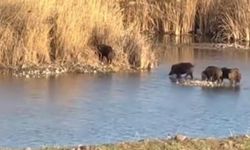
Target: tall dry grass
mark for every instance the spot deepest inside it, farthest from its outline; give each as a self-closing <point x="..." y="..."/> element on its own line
<point x="160" y="16"/>
<point x="38" y="32"/>
<point x="205" y="16"/>
<point x="50" y="31"/>
<point x="224" y="20"/>
<point x="234" y="20"/>
<point x="221" y="20"/>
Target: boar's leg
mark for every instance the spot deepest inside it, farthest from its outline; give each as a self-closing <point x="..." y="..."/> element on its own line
<point x="189" y="74"/>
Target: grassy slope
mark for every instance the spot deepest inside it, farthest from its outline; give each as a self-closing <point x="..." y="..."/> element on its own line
<point x="233" y="143"/>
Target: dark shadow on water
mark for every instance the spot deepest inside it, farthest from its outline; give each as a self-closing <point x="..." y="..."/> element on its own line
<point x="172" y="79"/>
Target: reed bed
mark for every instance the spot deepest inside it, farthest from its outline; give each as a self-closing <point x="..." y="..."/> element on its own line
<point x="160" y="16"/>
<point x="234" y="20"/>
<point x="59" y="32"/>
<point x="220" y="20"/>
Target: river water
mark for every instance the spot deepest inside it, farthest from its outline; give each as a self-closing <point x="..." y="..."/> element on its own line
<point x="108" y="108"/>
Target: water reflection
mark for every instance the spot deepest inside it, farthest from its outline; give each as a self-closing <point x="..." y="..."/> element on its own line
<point x="57" y="90"/>
<point x="176" y="49"/>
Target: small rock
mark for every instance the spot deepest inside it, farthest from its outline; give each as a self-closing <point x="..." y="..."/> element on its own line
<point x="180" y="138"/>
<point x="230" y="143"/>
<point x="27" y="148"/>
<point x="225" y="146"/>
<point x="23" y="66"/>
<point x="81" y="147"/>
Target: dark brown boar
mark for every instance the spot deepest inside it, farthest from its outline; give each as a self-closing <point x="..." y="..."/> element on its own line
<point x="212" y="73"/>
<point x="105" y="52"/>
<point x="182" y="68"/>
<point x="232" y="74"/>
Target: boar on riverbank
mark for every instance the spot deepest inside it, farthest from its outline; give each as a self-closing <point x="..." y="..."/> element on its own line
<point x="105" y="53"/>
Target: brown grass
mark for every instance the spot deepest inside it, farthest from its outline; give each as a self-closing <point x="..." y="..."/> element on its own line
<point x="61" y="32"/>
<point x="232" y="143"/>
<point x="235" y="20"/>
<point x="225" y="20"/>
<point x="160" y="16"/>
<point x="221" y="20"/>
<point x="50" y="31"/>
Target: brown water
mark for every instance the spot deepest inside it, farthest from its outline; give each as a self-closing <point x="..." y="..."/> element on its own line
<point x="93" y="109"/>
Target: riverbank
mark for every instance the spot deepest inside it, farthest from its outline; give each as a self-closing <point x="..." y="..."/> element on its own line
<point x="36" y="71"/>
<point x="55" y="69"/>
<point x="179" y="142"/>
<point x="48" y="31"/>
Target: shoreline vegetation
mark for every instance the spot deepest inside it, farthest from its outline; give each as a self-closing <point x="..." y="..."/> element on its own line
<point x="53" y="37"/>
<point x="178" y="142"/>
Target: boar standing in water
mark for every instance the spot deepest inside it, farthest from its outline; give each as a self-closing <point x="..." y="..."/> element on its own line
<point x="232" y="74"/>
<point x="182" y="68"/>
<point x="105" y="52"/>
<point x="212" y="73"/>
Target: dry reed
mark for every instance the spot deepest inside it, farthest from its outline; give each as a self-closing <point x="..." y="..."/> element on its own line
<point x="235" y="20"/>
<point x="161" y="16"/>
<point x="60" y="32"/>
<point x="50" y="31"/>
<point x="224" y="21"/>
<point x="220" y="20"/>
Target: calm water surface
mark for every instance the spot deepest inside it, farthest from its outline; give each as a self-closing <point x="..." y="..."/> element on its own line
<point x="94" y="109"/>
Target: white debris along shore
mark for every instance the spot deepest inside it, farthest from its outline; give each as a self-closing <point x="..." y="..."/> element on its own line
<point x="199" y="83"/>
